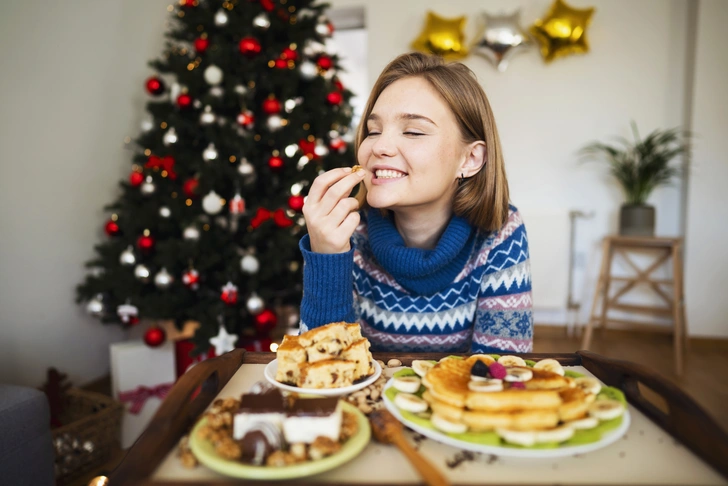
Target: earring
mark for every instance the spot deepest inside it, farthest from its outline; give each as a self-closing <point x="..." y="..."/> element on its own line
<point x="461" y="179"/>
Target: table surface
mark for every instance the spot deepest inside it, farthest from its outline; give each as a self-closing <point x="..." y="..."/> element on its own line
<point x="645" y="455"/>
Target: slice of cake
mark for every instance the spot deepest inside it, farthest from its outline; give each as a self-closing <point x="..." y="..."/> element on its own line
<point x="310" y="418"/>
<point x="328" y="333"/>
<point x="290" y="356"/>
<point x="258" y="408"/>
<point x="332" y="373"/>
<point x="358" y="352"/>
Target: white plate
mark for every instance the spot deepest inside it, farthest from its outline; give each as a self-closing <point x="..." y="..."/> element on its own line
<point x="272" y="367"/>
<point x="607" y="438"/>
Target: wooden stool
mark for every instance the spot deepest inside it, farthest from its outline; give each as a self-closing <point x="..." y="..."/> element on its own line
<point x="664" y="248"/>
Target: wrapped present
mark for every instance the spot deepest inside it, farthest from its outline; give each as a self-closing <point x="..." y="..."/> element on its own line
<point x="140" y="378"/>
<point x="184" y="359"/>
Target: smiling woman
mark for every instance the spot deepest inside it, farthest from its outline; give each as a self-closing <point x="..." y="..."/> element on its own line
<point x="436" y="259"/>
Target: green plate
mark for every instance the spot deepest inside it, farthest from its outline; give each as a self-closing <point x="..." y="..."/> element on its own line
<point x="205" y="453"/>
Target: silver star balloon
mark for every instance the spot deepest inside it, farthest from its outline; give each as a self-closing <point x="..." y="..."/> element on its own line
<point x="501" y="39"/>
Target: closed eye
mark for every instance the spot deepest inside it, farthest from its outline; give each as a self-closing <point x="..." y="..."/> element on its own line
<point x="370" y="134"/>
<point x="413" y="133"/>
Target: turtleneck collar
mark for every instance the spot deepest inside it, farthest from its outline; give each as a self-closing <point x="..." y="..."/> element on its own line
<point x="424" y="272"/>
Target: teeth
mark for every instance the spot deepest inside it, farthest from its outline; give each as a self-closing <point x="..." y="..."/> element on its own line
<point x="389" y="174"/>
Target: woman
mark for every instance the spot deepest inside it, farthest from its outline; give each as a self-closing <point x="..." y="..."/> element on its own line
<point x="436" y="260"/>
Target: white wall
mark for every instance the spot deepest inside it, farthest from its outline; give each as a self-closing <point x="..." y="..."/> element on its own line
<point x="72" y="89"/>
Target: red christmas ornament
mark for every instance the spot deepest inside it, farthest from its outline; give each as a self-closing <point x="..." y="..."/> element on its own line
<point x="189" y="3"/>
<point x="295" y="203"/>
<point x="338" y="85"/>
<point x="308" y="148"/>
<point x="249" y="46"/>
<point x="155" y="86"/>
<point x="338" y="145"/>
<point x="136" y="178"/>
<point x="154" y="337"/>
<point x="201" y="44"/>
<point x="271" y="106"/>
<point x="237" y="204"/>
<point x="266" y="321"/>
<point x="325" y="62"/>
<point x="281" y="63"/>
<point x="267" y="5"/>
<point x="275" y="163"/>
<point x="190" y="187"/>
<point x="184" y="100"/>
<point x="334" y="98"/>
<point x="281" y="220"/>
<point x="246" y="119"/>
<point x="229" y="294"/>
<point x="111" y="228"/>
<point x="191" y="279"/>
<point x="289" y="54"/>
<point x="145" y="243"/>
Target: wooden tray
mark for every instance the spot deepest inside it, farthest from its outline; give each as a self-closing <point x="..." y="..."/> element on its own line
<point x="663" y="403"/>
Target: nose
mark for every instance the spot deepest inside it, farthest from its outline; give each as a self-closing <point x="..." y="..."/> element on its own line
<point x="383" y="146"/>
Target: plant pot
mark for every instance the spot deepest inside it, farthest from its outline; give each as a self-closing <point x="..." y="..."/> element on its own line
<point x="637" y="220"/>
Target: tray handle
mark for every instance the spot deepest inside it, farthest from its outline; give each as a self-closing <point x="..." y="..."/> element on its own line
<point x="673" y="410"/>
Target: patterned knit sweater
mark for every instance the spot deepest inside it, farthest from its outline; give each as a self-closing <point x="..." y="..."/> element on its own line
<point x="471" y="293"/>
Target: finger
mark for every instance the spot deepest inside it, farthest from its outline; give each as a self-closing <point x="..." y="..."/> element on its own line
<point x="322" y="183"/>
<point x="343" y="208"/>
<point x="348" y="226"/>
<point x="340" y="190"/>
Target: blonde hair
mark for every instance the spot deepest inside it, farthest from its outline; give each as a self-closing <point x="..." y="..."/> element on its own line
<point x="483" y="198"/>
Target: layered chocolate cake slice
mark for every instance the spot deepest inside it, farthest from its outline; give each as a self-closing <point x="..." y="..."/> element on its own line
<point x="258" y="408"/>
<point x="310" y="418"/>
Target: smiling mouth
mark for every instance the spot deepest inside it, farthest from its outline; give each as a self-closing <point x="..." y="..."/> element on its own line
<point x="389" y="174"/>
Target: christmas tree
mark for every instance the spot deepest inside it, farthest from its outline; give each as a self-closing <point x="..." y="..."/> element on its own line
<point x="245" y="111"/>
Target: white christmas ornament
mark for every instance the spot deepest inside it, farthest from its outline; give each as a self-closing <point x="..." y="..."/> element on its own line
<point x="313" y="48"/>
<point x="170" y="136"/>
<point x="274" y="122"/>
<point x="240" y="89"/>
<point x="249" y="264"/>
<point x="308" y="70"/>
<point x="223" y="342"/>
<point x="246" y="168"/>
<point x="212" y="203"/>
<point x="221" y="18"/>
<point x="127" y="256"/>
<point x="126" y="312"/>
<point x="175" y="90"/>
<point x="216" y="91"/>
<point x="255" y="304"/>
<point x="142" y="273"/>
<point x="261" y="21"/>
<point x="191" y="233"/>
<point x="147" y="188"/>
<point x="213" y="75"/>
<point x="207" y="116"/>
<point x="210" y="153"/>
<point x="321" y="150"/>
<point x="163" y="279"/>
<point x="289" y="105"/>
<point x="95" y="306"/>
<point x="296" y="189"/>
<point x="291" y="150"/>
<point x="147" y="125"/>
<point x="165" y="212"/>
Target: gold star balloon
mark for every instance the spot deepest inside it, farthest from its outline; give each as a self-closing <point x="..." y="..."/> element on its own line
<point x="443" y="37"/>
<point x="563" y="31"/>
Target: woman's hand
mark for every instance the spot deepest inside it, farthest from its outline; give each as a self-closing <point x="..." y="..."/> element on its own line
<point x="331" y="216"/>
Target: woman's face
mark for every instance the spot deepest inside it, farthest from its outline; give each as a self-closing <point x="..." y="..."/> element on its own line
<point x="413" y="150"/>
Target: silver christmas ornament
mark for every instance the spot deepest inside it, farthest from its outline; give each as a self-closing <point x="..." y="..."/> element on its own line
<point x="175" y="90"/>
<point x="141" y="272"/>
<point x="147" y="124"/>
<point x="191" y="233"/>
<point x="308" y="70"/>
<point x="127" y="256"/>
<point x="212" y="203"/>
<point x="296" y="189"/>
<point x="240" y="89"/>
<point x="207" y="117"/>
<point x="170" y="136"/>
<point x="245" y="167"/>
<point x="165" y="212"/>
<point x="261" y="21"/>
<point x="291" y="150"/>
<point x="321" y="150"/>
<point x="313" y="48"/>
<point x="213" y="75"/>
<point x="210" y="153"/>
<point x="255" y="304"/>
<point x="147" y="188"/>
<point x="216" y="91"/>
<point x="163" y="279"/>
<point x="274" y="123"/>
<point x="95" y="306"/>
<point x="249" y="264"/>
<point x="197" y="104"/>
<point x="221" y="18"/>
<point x="290" y="105"/>
<point x="323" y="28"/>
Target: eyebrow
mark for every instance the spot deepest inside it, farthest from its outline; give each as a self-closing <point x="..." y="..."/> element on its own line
<point x="403" y="116"/>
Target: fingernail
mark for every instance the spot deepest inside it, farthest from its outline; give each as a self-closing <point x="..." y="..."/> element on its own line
<point x="347" y="169"/>
<point x="361" y="173"/>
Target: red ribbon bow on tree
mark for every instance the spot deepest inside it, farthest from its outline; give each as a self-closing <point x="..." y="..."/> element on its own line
<point x="140" y="396"/>
<point x="166" y="163"/>
<point x="279" y="218"/>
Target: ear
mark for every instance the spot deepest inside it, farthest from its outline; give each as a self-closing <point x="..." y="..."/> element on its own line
<point x="475" y="156"/>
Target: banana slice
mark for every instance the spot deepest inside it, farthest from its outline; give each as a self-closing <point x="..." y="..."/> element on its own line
<point x="407" y="384"/>
<point x="511" y="361"/>
<point x="606" y="409"/>
<point x="589" y="384"/>
<point x="421" y="366"/>
<point x="520" y="437"/>
<point x="487" y="385"/>
<point x="410" y="403"/>
<point x="583" y="424"/>
<point x="445" y="425"/>
<point x="518" y="374"/>
<point x="559" y="434"/>
<point x="550" y="365"/>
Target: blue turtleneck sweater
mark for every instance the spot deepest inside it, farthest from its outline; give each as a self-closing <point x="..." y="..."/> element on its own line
<point x="471" y="293"/>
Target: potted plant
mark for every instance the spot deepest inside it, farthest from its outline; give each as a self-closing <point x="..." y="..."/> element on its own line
<point x="641" y="166"/>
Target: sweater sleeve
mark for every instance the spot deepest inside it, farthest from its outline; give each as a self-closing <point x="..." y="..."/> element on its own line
<point x="328" y="287"/>
<point x="504" y="317"/>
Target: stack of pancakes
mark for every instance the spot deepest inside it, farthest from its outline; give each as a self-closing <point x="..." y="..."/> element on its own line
<point x="547" y="398"/>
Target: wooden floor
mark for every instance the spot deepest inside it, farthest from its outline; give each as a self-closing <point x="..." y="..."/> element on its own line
<point x="705" y="377"/>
